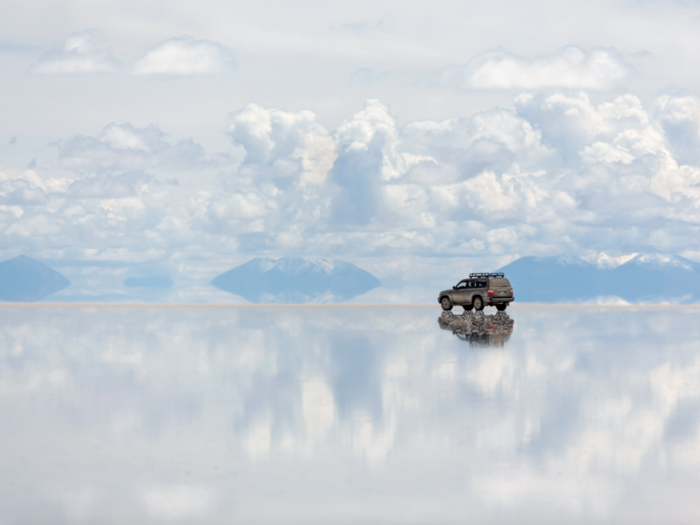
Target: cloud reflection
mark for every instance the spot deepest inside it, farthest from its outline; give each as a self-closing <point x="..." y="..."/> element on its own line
<point x="153" y="414"/>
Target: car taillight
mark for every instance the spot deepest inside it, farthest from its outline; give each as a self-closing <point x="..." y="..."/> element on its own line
<point x="511" y="292"/>
<point x="490" y="293"/>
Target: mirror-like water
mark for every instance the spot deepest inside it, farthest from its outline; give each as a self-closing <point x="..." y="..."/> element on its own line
<point x="347" y="414"/>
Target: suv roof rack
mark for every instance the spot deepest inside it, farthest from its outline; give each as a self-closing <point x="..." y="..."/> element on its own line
<point x="472" y="275"/>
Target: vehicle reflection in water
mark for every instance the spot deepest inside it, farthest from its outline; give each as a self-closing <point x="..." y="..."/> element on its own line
<point x="477" y="328"/>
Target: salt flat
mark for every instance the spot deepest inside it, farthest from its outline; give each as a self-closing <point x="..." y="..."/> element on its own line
<point x="314" y="414"/>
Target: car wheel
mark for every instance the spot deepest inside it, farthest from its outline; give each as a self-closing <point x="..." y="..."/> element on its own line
<point x="478" y="304"/>
<point x="501" y="307"/>
<point x="468" y="307"/>
<point x="446" y="303"/>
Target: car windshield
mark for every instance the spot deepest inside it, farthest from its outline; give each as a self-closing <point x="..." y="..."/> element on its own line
<point x="500" y="282"/>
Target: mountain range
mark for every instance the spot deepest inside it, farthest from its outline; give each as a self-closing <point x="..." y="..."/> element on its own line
<point x="632" y="278"/>
<point x="264" y="280"/>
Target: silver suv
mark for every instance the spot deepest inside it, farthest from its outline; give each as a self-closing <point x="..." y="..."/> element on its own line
<point x="481" y="289"/>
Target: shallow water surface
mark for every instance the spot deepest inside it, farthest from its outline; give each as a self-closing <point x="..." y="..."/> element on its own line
<point x="348" y="414"/>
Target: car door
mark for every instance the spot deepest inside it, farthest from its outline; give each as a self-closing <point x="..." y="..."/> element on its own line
<point x="459" y="295"/>
<point x="468" y="292"/>
<point x="479" y="288"/>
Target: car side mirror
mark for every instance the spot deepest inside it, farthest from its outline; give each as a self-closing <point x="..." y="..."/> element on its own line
<point x="454" y="287"/>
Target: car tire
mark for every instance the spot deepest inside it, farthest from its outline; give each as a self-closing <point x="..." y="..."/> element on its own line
<point x="446" y="303"/>
<point x="501" y="307"/>
<point x="478" y="303"/>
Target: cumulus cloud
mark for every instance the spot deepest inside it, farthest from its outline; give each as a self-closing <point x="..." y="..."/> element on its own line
<point x="367" y="157"/>
<point x="71" y="212"/>
<point x="499" y="180"/>
<point x="78" y="54"/>
<point x="23" y="190"/>
<point x="680" y="119"/>
<point x="118" y="186"/>
<point x="127" y="147"/>
<point x="559" y="165"/>
<point x="185" y="56"/>
<point x="278" y="188"/>
<point x="568" y="67"/>
<point x="283" y="143"/>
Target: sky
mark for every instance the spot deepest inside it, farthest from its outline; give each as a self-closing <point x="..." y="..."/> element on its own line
<point x="419" y="140"/>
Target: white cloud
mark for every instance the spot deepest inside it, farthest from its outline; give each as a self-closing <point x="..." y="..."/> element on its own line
<point x="23" y="190"/>
<point x="185" y="56"/>
<point x="126" y="147"/>
<point x="680" y="118"/>
<point x="103" y="186"/>
<point x="569" y="67"/>
<point x="78" y="54"/>
<point x="283" y="143"/>
<point x="523" y="176"/>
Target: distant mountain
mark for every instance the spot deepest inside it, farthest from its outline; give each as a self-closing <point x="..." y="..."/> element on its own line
<point x="553" y="279"/>
<point x="23" y="279"/>
<point x="634" y="278"/>
<point x="657" y="277"/>
<point x="265" y="280"/>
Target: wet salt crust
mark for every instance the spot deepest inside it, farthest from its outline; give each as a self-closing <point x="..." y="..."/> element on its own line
<point x="340" y="415"/>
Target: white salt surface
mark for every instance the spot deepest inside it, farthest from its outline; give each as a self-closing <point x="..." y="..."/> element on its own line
<point x="347" y="415"/>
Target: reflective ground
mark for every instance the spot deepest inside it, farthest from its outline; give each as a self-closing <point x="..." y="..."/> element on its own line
<point x="348" y="415"/>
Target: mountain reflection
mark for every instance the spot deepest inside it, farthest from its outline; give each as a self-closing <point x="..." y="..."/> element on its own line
<point x="269" y="414"/>
<point x="477" y="328"/>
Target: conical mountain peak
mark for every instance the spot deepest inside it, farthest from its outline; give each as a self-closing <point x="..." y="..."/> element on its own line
<point x="296" y="280"/>
<point x="23" y="279"/>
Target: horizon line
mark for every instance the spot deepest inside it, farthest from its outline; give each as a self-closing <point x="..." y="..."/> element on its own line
<point x="644" y="306"/>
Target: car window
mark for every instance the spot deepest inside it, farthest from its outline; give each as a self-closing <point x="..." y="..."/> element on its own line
<point x="462" y="285"/>
<point x="500" y="282"/>
<point x="481" y="284"/>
